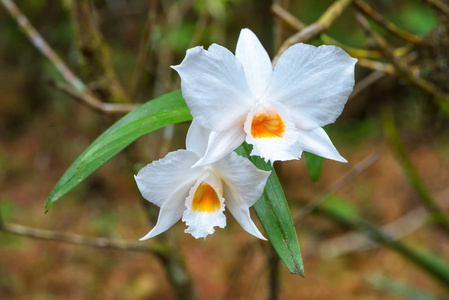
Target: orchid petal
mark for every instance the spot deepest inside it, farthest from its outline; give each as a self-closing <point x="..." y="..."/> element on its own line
<point x="212" y="82"/>
<point x="274" y="148"/>
<point x="158" y="180"/>
<point x="255" y="61"/>
<point x="197" y="138"/>
<point x="170" y="213"/>
<point x="221" y="144"/>
<point x="314" y="83"/>
<point x="241" y="213"/>
<point x="318" y="142"/>
<point x="243" y="186"/>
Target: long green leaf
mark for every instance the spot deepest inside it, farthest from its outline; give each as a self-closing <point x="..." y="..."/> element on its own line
<point x="271" y="208"/>
<point x="434" y="265"/>
<point x="274" y="215"/>
<point x="162" y="111"/>
<point x="392" y="285"/>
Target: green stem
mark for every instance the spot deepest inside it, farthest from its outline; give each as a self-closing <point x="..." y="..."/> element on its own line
<point x="273" y="278"/>
<point x="413" y="177"/>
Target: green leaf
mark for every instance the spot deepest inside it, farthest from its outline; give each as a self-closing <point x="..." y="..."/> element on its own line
<point x="393" y="286"/>
<point x="428" y="261"/>
<point x="155" y="114"/>
<point x="314" y="164"/>
<point x="340" y="206"/>
<point x="274" y="214"/>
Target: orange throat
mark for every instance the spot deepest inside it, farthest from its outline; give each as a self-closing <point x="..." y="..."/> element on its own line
<point x="267" y="125"/>
<point x="205" y="199"/>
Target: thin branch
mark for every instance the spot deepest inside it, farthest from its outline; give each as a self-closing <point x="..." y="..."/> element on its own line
<point x="76" y="88"/>
<point x="144" y="46"/>
<point x="279" y="30"/>
<point x="366" y="82"/>
<point x="442" y="7"/>
<point x="376" y="65"/>
<point x="402" y="67"/>
<point x="294" y="23"/>
<point x="41" y="45"/>
<point x="273" y="262"/>
<point x="336" y="186"/>
<point x="51" y="235"/>
<point x="287" y="17"/>
<point x="94" y="103"/>
<point x="316" y="29"/>
<point x="399" y="32"/>
<point x="95" y="55"/>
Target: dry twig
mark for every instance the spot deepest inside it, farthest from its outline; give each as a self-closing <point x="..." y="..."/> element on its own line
<point x="296" y="24"/>
<point x="402" y="67"/>
<point x="316" y="29"/>
<point x="76" y="88"/>
<point x="365" y="82"/>
<point x="399" y="32"/>
<point x="376" y="65"/>
<point x="94" y="103"/>
<point x="144" y="46"/>
<point x="41" y="45"/>
<point x="336" y="186"/>
<point x="442" y="7"/>
<point x="95" y="55"/>
<point x="51" y="235"/>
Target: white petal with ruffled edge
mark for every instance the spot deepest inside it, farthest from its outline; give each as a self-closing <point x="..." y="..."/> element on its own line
<point x="243" y="185"/>
<point x="212" y="82"/>
<point x="255" y="61"/>
<point x="314" y="83"/>
<point x="318" y="142"/>
<point x="202" y="223"/>
<point x="166" y="183"/>
<point x="273" y="148"/>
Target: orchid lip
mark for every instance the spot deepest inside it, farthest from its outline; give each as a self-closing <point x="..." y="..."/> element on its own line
<point x="206" y="197"/>
<point x="267" y="124"/>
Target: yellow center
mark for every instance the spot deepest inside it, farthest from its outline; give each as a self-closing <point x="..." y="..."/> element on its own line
<point x="205" y="199"/>
<point x="266" y="125"/>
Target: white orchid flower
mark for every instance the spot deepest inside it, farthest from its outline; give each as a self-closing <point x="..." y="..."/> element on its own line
<point x="280" y="112"/>
<point x="199" y="195"/>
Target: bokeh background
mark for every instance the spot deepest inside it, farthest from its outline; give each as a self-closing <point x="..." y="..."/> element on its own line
<point x="43" y="130"/>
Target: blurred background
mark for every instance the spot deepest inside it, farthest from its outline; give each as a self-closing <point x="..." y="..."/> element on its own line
<point x="393" y="132"/>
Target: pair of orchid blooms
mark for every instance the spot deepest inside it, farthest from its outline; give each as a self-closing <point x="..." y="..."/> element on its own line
<point x="237" y="98"/>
